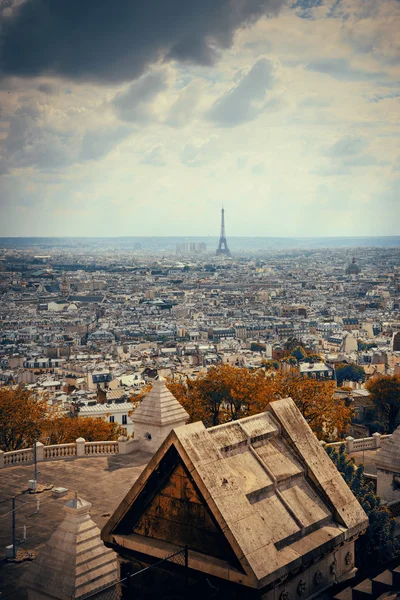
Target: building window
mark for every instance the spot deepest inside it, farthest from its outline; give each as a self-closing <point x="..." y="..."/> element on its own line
<point x="124" y="419"/>
<point x="111" y="419"/>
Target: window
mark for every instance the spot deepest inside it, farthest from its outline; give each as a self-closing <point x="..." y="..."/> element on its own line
<point x="124" y="419"/>
<point x="111" y="419"/>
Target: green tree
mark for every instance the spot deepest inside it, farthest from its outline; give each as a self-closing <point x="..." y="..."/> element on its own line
<point x="257" y="347"/>
<point x="313" y="358"/>
<point x="385" y="393"/>
<point x="378" y="544"/>
<point x="350" y="372"/>
<point x="291" y="343"/>
<point x="299" y="353"/>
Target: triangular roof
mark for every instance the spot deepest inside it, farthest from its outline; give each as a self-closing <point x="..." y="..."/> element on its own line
<point x="159" y="407"/>
<point x="74" y="562"/>
<point x="269" y="486"/>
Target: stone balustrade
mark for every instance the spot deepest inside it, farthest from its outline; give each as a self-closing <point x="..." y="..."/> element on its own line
<point x="78" y="449"/>
<point x="358" y="445"/>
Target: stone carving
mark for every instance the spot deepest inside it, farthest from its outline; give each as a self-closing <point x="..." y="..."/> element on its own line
<point x="318" y="577"/>
<point x="348" y="558"/>
<point x="332" y="568"/>
<point x="284" y="596"/>
<point x="301" y="588"/>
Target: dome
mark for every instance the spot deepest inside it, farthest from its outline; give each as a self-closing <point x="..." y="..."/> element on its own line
<point x="388" y="457"/>
<point x="353" y="268"/>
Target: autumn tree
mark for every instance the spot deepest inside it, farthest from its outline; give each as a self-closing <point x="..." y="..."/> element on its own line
<point x="224" y="393"/>
<point x="328" y="417"/>
<point x="378" y="544"/>
<point x="63" y="429"/>
<point x="352" y="372"/>
<point x="24" y="419"/>
<point x="22" y="416"/>
<point x="385" y="393"/>
<point x="270" y="364"/>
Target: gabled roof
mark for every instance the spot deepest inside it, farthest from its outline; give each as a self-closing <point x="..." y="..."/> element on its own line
<point x="270" y="498"/>
<point x="159" y="406"/>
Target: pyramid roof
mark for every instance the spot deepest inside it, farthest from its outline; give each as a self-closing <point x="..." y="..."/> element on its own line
<point x="388" y="457"/>
<point x="75" y="561"/>
<point x="159" y="407"/>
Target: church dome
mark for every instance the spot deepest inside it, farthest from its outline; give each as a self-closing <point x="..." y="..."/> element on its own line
<point x="353" y="268"/>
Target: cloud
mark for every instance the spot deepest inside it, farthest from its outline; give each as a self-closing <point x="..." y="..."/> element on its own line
<point x="344" y="154"/>
<point x="346" y="146"/>
<point x="31" y="141"/>
<point x="200" y="152"/>
<point x="340" y="68"/>
<point x="117" y="41"/>
<point x="134" y="103"/>
<point x="155" y="156"/>
<point x="98" y="143"/>
<point x="182" y="109"/>
<point x="34" y="141"/>
<point x="247" y="99"/>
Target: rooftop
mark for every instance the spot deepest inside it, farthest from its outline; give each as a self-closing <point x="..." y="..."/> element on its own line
<point x="101" y="480"/>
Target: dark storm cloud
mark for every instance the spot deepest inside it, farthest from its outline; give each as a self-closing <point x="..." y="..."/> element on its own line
<point x="117" y="41"/>
<point x="245" y="101"/>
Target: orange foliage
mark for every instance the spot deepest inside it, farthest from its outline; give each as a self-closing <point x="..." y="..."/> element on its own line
<point x="227" y="393"/>
<point x="25" y="418"/>
<point x="63" y="429"/>
<point x="21" y="418"/>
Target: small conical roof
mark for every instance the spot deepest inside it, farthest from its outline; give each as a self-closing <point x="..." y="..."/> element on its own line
<point x="75" y="561"/>
<point x="159" y="406"/>
<point x="388" y="457"/>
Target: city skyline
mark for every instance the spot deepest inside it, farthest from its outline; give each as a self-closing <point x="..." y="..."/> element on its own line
<point x="285" y="113"/>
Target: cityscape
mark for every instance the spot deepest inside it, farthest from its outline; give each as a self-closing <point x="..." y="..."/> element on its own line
<point x="199" y="300"/>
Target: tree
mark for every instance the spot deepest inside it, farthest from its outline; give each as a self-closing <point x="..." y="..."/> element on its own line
<point x="257" y="347"/>
<point x="385" y="393"/>
<point x="299" y="353"/>
<point x="63" y="429"/>
<point x="21" y="418"/>
<point x="291" y="343"/>
<point x="350" y="372"/>
<point x="378" y="544"/>
<point x="313" y="358"/>
<point x="224" y="393"/>
<point x="327" y="416"/>
<point x="269" y="364"/>
<point x="25" y="419"/>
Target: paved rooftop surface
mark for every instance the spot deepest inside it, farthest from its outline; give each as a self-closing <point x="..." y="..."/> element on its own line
<point x="366" y="458"/>
<point x="102" y="480"/>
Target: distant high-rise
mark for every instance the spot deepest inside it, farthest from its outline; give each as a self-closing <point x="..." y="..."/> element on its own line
<point x="223" y="244"/>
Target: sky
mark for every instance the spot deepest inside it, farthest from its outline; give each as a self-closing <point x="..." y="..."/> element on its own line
<point x="144" y="118"/>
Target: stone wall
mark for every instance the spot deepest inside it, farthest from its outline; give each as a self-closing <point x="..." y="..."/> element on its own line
<point x="337" y="566"/>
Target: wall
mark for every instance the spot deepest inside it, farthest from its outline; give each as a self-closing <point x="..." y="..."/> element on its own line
<point x="310" y="577"/>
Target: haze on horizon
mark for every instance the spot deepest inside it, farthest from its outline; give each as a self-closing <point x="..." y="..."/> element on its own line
<point x="138" y="119"/>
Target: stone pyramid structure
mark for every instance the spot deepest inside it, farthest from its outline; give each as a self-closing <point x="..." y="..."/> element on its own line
<point x="75" y="561"/>
<point x="158" y="413"/>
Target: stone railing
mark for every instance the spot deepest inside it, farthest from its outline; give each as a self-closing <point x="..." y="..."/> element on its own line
<point x="358" y="445"/>
<point x="78" y="449"/>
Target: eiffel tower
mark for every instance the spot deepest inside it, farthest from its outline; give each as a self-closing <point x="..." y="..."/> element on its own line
<point x="223" y="245"/>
